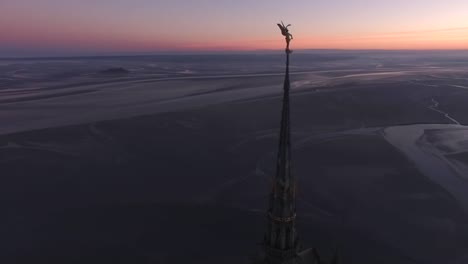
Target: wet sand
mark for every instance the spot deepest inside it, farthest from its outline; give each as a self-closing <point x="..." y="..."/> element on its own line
<point x="178" y="171"/>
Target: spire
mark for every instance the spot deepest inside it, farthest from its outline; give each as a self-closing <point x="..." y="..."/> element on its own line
<point x="281" y="242"/>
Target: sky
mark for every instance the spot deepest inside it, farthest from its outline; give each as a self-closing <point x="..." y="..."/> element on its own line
<point x="47" y="27"/>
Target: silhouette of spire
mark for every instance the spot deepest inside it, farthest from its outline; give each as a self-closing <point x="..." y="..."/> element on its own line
<point x="281" y="242"/>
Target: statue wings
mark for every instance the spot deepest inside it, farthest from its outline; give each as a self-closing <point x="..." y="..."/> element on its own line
<point x="284" y="29"/>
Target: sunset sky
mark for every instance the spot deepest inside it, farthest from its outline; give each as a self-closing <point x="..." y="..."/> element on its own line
<point x="38" y="27"/>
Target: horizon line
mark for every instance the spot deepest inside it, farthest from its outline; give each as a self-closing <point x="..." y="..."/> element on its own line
<point x="216" y="52"/>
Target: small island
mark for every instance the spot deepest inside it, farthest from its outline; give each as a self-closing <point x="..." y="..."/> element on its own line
<point x="115" y="71"/>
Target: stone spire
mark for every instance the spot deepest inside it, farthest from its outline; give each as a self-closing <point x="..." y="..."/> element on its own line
<point x="281" y="242"/>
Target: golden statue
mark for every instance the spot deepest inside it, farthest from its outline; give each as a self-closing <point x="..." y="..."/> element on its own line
<point x="285" y="32"/>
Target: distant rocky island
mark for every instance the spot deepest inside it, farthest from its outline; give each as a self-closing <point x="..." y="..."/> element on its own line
<point x="115" y="70"/>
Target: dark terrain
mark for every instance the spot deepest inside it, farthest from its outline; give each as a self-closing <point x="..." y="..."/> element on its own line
<point x="173" y="165"/>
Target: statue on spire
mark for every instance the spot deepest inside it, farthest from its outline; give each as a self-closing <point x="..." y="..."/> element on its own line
<point x="288" y="36"/>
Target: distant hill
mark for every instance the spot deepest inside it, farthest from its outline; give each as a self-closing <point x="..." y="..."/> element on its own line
<point x="116" y="70"/>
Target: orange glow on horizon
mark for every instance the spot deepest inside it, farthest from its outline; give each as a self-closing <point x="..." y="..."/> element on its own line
<point x="444" y="39"/>
<point x="95" y="27"/>
<point x="138" y="41"/>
